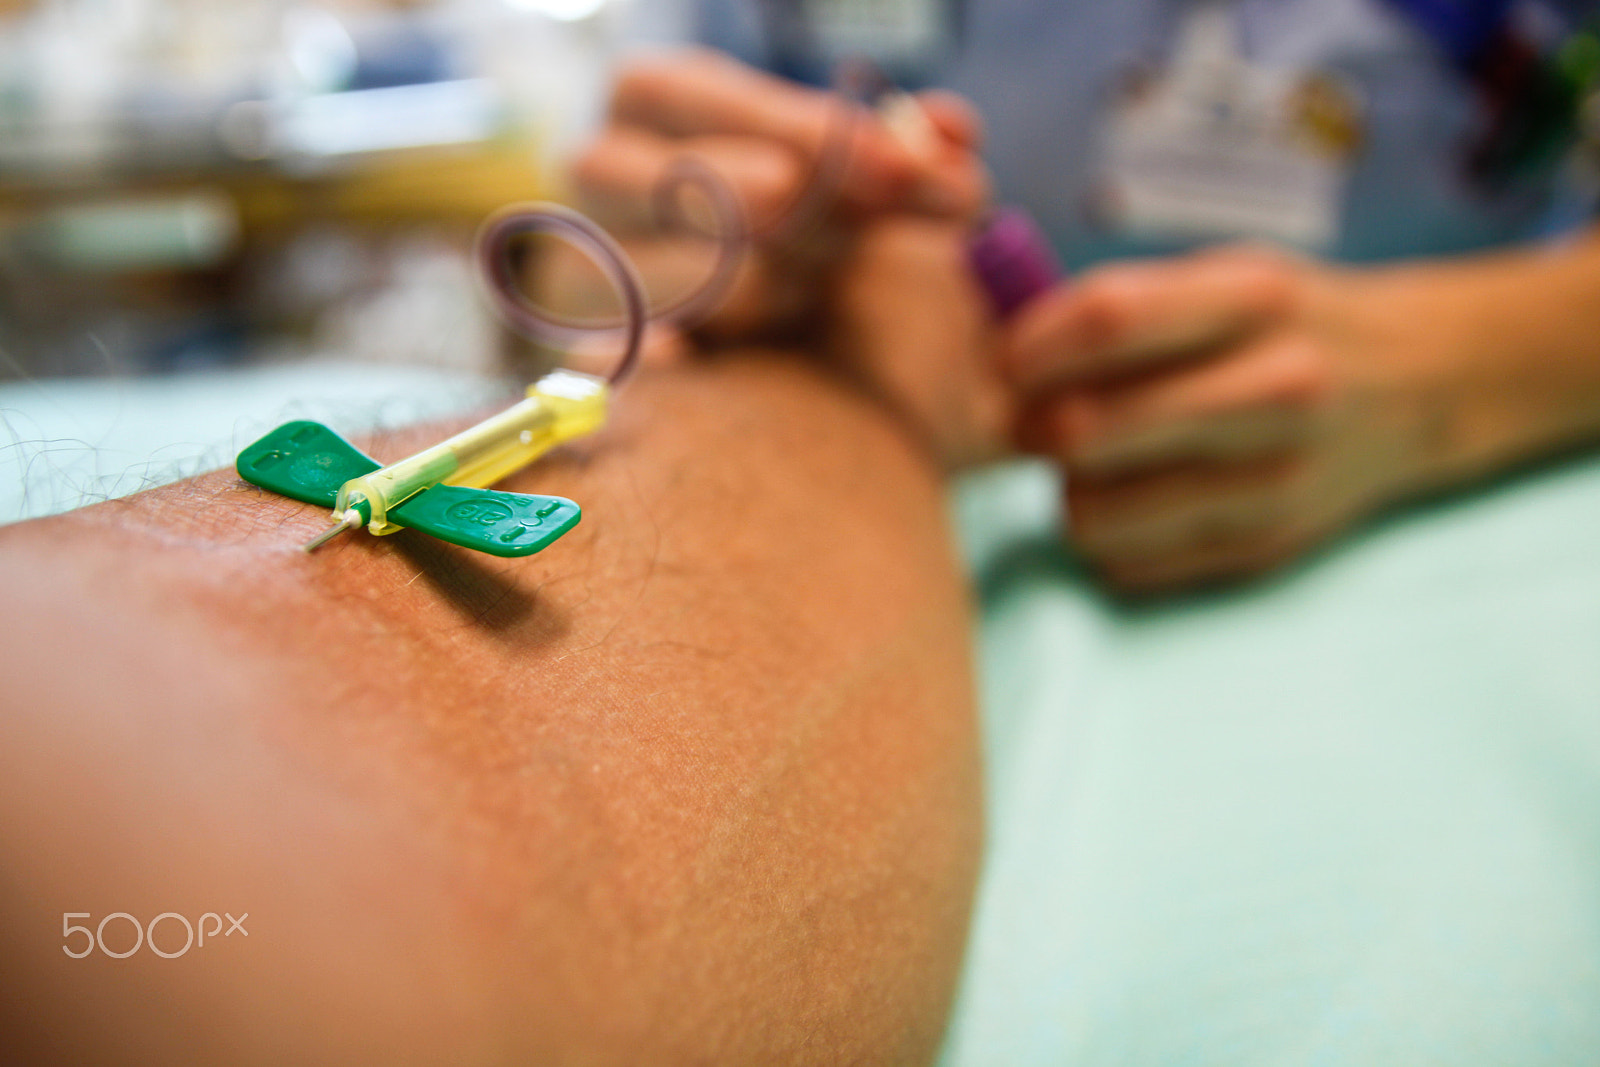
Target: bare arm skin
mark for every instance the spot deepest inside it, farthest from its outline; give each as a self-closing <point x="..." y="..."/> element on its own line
<point x="696" y="785"/>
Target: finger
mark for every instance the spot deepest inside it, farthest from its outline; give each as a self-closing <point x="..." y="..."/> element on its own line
<point x="618" y="175"/>
<point x="1239" y="404"/>
<point x="958" y="183"/>
<point x="1130" y="315"/>
<point x="1200" y="566"/>
<point x="675" y="264"/>
<point x="1182" y="507"/>
<point x="1059" y="428"/>
<point x="954" y="183"/>
<point x="702" y="93"/>
<point x="954" y="117"/>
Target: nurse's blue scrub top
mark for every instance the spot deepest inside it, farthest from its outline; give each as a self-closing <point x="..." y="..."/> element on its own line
<point x="1042" y="72"/>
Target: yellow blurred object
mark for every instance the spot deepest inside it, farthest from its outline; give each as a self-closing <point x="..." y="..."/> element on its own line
<point x="457" y="186"/>
<point x="559" y="407"/>
<point x="441" y="186"/>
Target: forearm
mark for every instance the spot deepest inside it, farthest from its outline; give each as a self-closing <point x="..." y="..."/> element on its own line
<point x="1516" y="338"/>
<point x="697" y="783"/>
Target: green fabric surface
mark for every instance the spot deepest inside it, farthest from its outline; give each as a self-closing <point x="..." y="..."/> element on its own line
<point x="1350" y="815"/>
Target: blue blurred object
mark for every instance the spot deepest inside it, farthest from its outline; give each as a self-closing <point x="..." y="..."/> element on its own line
<point x="1042" y="73"/>
<point x="402" y="53"/>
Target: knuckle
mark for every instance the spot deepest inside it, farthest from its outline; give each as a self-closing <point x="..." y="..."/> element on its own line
<point x="652" y="77"/>
<point x="769" y="182"/>
<point x="1273" y="284"/>
<point x="875" y="163"/>
<point x="1301" y="375"/>
<point x="637" y="79"/>
<point x="1271" y="278"/>
<point x="1106" y="308"/>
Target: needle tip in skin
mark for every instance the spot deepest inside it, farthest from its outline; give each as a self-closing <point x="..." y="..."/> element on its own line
<point x="351" y="520"/>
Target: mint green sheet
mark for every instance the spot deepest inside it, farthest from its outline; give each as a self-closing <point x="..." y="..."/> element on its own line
<point x="72" y="441"/>
<point x="1347" y="817"/>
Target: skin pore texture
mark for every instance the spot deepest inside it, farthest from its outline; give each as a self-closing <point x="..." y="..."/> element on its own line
<point x="698" y="784"/>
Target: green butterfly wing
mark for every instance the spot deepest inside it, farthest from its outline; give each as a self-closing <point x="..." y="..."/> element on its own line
<point x="303" y="461"/>
<point x="488" y="520"/>
<point x="308" y="462"/>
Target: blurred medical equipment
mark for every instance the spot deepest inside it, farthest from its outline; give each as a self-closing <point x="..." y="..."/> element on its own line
<point x="499" y="266"/>
<point x="443" y="490"/>
<point x="173" y="172"/>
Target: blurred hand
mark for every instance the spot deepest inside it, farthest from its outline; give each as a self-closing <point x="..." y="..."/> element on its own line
<point x="765" y="137"/>
<point x="912" y="327"/>
<point x="1220" y="413"/>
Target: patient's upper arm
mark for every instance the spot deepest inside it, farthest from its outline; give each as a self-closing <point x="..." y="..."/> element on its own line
<point x="696" y="784"/>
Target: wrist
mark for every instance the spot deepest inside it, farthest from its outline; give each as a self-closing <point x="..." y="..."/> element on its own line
<point x="1492" y="356"/>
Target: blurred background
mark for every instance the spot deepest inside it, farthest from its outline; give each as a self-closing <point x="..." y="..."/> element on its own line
<point x="186" y="184"/>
